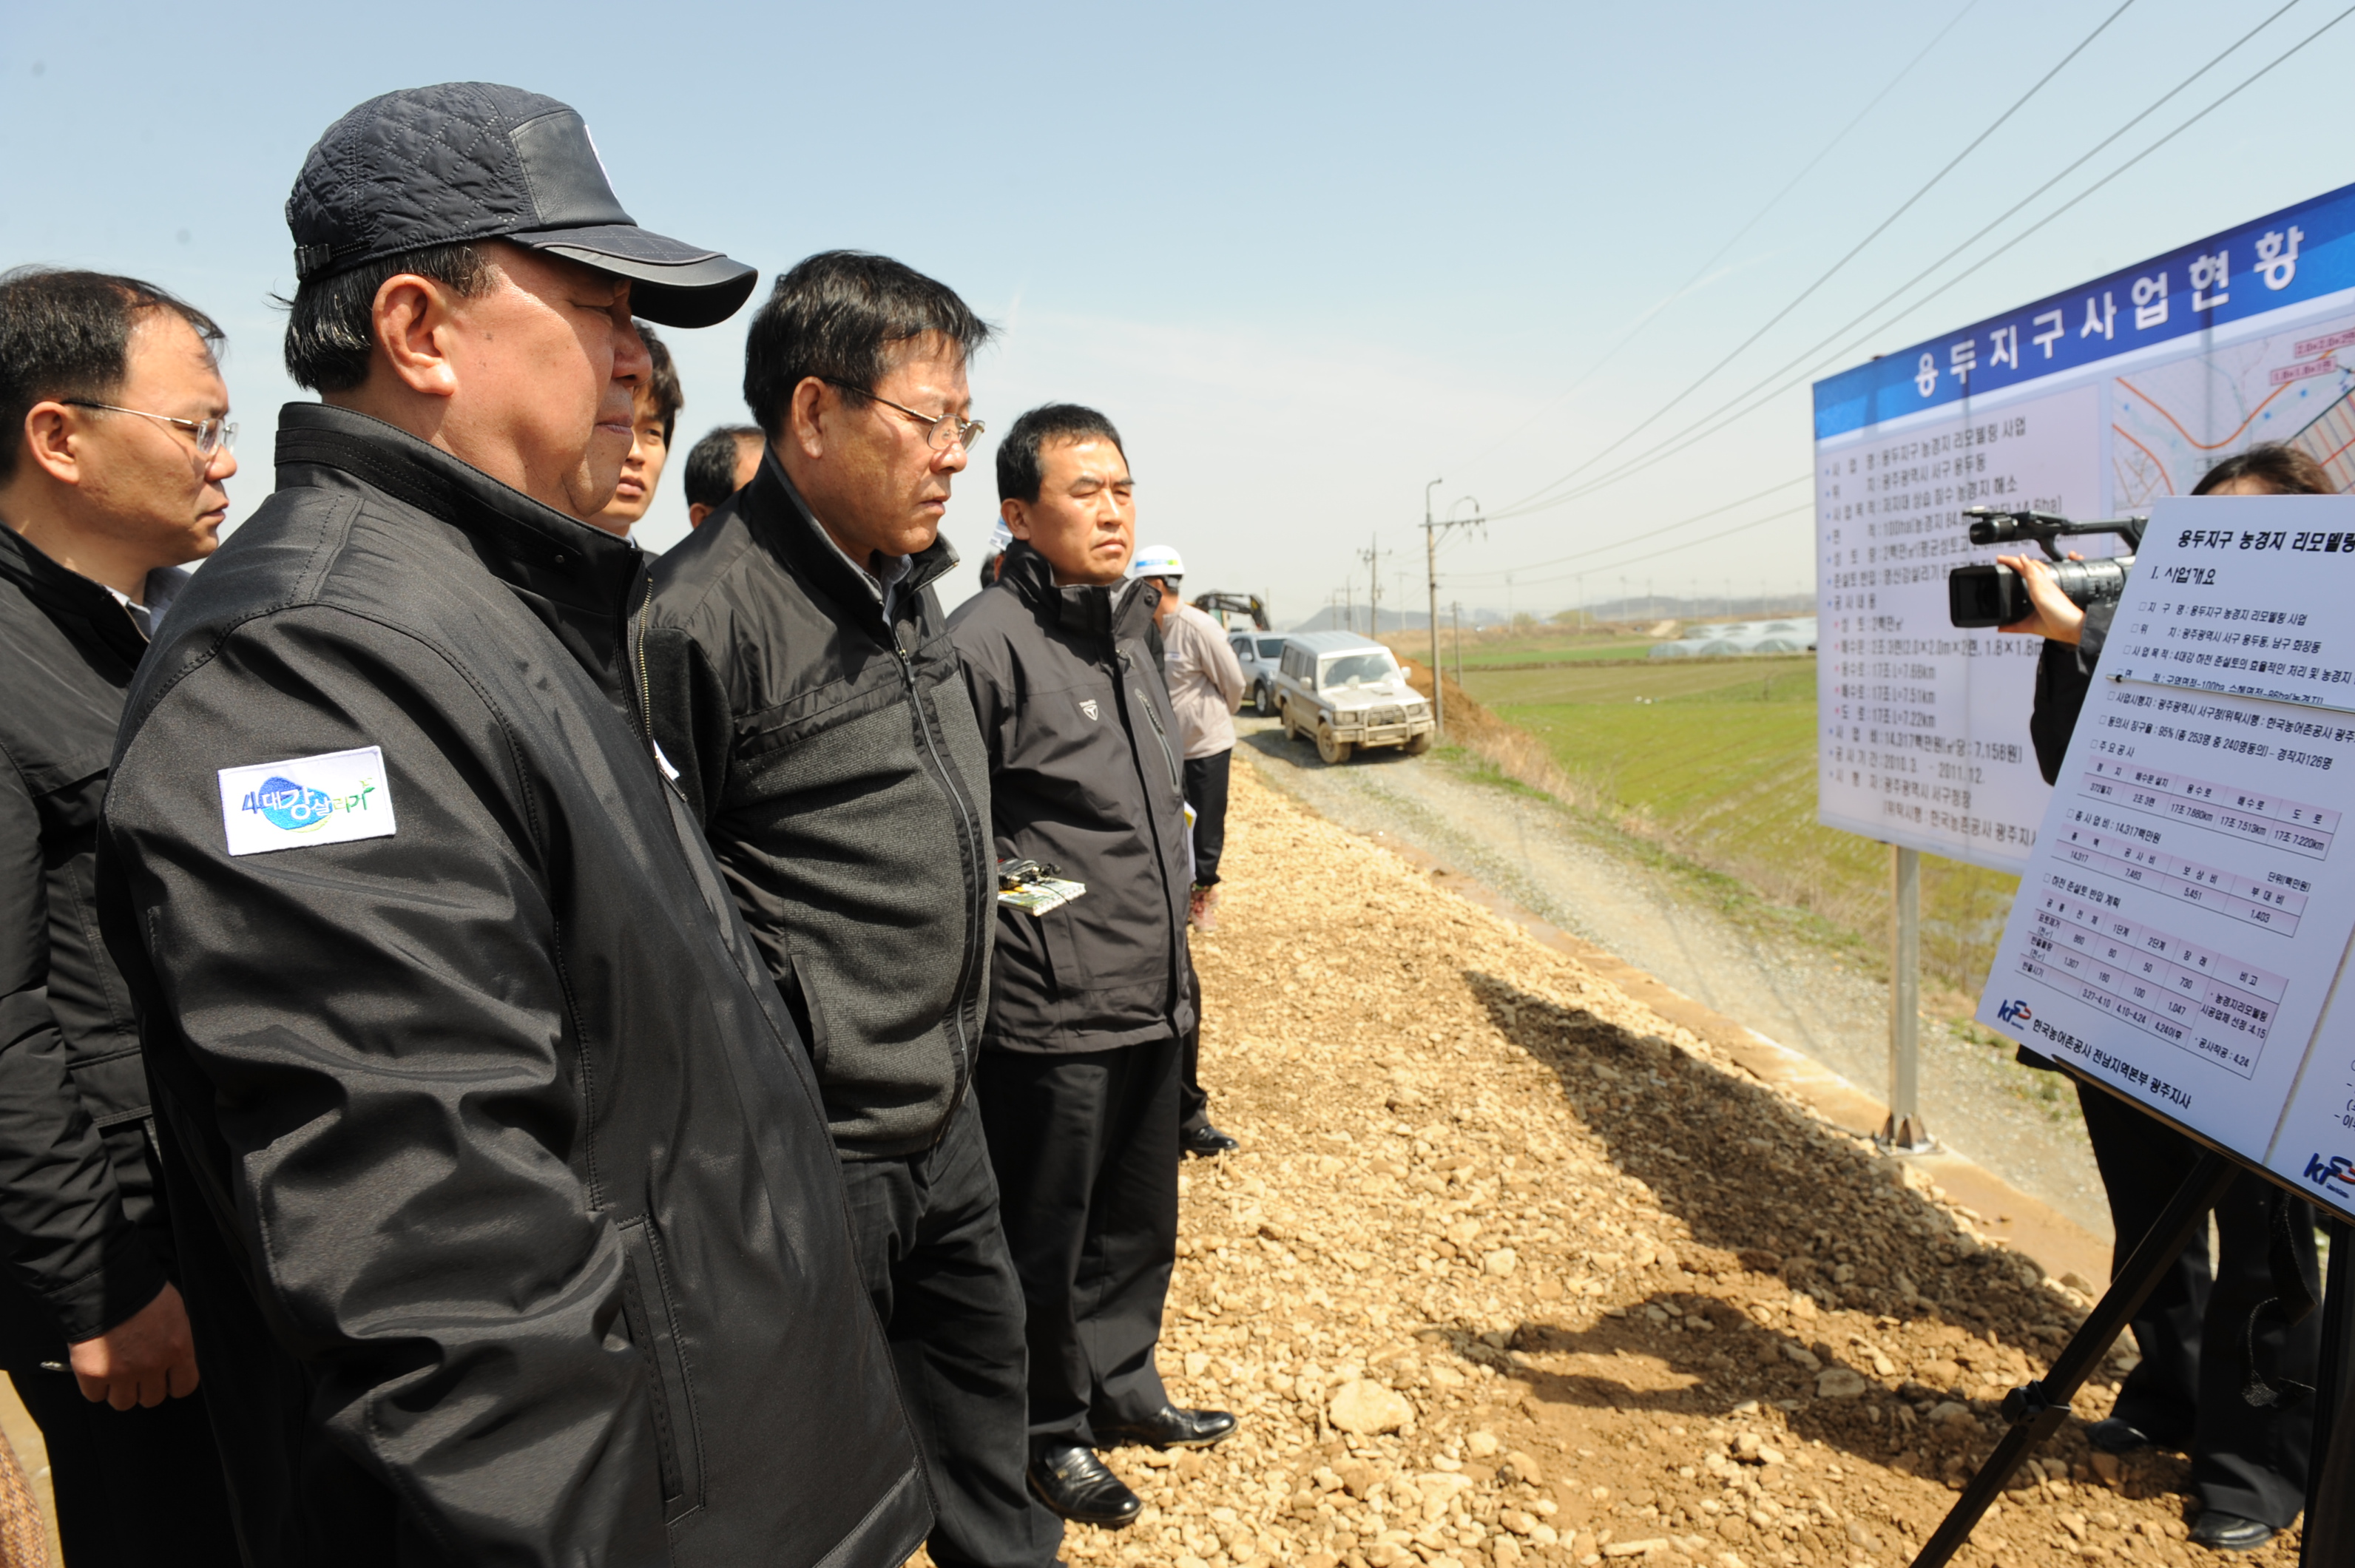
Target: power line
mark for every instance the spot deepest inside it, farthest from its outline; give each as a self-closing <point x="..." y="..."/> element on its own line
<point x="1854" y="251"/>
<point x="1710" y="425"/>
<point x="1702" y="271"/>
<point x="1652" y="534"/>
<point x="1677" y="443"/>
<point x="1808" y="505"/>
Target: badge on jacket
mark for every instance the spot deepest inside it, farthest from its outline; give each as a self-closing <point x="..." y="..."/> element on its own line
<point x="333" y="798"/>
<point x="1088" y="706"/>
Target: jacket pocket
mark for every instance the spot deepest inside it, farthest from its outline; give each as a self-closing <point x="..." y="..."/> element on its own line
<point x="808" y="1016"/>
<point x="1064" y="972"/>
<point x="653" y="1329"/>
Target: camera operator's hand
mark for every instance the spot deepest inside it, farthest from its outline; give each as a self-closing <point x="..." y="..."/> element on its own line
<point x="2056" y="617"/>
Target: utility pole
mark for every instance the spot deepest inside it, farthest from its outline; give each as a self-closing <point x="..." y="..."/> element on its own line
<point x="1432" y="530"/>
<point x="1349" y="604"/>
<point x="1372" y="557"/>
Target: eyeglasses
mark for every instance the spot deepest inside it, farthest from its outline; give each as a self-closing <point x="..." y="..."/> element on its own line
<point x="215" y="434"/>
<point x="941" y="434"/>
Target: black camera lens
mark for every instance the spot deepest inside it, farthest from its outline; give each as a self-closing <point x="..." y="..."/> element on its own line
<point x="1987" y="595"/>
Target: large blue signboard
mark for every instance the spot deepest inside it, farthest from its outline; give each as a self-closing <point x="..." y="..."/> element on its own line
<point x="2092" y="402"/>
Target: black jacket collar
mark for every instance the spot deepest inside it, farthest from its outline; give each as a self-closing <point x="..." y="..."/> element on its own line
<point x="584" y="582"/>
<point x="1089" y="610"/>
<point x="782" y="522"/>
<point x="81" y="608"/>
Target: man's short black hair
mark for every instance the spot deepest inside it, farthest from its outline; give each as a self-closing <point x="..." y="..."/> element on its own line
<point x="662" y="383"/>
<point x="1019" y="468"/>
<point x="331" y="330"/>
<point x="2283" y="469"/>
<point x="67" y="334"/>
<point x="712" y="466"/>
<point x="836" y="316"/>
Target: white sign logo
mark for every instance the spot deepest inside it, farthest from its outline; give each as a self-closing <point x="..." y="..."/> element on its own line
<point x="1088" y="706"/>
<point x="329" y="799"/>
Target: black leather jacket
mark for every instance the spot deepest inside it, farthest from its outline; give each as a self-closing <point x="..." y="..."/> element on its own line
<point x="510" y="1228"/>
<point x="1084" y="772"/>
<point x="837" y="768"/>
<point x="84" y="1241"/>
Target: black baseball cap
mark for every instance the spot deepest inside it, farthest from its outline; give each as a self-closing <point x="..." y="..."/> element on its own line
<point x="472" y="160"/>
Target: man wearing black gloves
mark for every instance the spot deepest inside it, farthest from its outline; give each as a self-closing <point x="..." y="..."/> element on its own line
<point x="115" y="463"/>
<point x="509" y="1225"/>
<point x="2195" y="1332"/>
<point x="807" y="693"/>
<point x="1078" y="1068"/>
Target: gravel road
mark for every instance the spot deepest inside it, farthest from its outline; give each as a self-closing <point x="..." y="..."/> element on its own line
<point x="1528" y="851"/>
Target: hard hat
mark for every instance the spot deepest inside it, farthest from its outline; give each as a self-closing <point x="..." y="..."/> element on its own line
<point x="1001" y="538"/>
<point x="1157" y="560"/>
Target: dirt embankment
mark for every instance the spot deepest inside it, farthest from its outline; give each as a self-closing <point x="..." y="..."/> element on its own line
<point x="1510" y="1271"/>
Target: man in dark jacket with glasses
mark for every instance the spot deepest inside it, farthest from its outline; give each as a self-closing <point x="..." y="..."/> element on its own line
<point x="509" y="1225"/>
<point x="114" y="466"/>
<point x="807" y="691"/>
<point x="1088" y="1000"/>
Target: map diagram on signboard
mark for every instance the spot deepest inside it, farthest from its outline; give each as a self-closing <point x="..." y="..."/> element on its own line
<point x="2170" y="422"/>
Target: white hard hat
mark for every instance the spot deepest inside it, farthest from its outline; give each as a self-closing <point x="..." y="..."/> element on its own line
<point x="1157" y="560"/>
<point x="1001" y="538"/>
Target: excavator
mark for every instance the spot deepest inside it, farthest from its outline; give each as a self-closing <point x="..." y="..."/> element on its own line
<point x="1225" y="607"/>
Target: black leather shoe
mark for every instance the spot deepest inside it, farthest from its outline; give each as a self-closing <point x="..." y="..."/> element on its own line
<point x="2230" y="1532"/>
<point x="1205" y="1141"/>
<point x="1074" y="1483"/>
<point x="2115" y="1436"/>
<point x="1170" y="1427"/>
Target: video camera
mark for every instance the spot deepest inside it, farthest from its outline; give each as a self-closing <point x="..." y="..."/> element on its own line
<point x="1994" y="595"/>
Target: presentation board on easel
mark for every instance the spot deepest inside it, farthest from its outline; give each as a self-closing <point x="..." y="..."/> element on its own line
<point x="2183" y="924"/>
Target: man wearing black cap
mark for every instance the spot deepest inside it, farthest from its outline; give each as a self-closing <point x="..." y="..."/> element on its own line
<point x="509" y="1226"/>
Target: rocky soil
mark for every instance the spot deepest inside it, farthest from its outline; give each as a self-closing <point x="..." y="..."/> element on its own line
<point x="1510" y="1271"/>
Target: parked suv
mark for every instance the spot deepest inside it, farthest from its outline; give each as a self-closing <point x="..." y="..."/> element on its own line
<point x="1258" y="653"/>
<point x="1344" y="691"/>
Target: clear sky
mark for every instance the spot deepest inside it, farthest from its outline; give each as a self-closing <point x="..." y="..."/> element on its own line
<point x="1307" y="258"/>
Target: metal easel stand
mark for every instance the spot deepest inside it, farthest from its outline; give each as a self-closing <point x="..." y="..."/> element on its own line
<point x="2330" y="1536"/>
<point x="1904" y="1132"/>
<point x="2037" y="1409"/>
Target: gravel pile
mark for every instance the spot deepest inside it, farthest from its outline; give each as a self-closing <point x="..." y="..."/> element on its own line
<point x="1510" y="1271"/>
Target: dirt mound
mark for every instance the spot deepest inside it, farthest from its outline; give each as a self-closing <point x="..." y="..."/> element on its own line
<point x="1510" y="1271"/>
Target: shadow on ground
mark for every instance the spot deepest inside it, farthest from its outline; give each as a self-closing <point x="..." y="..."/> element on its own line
<point x="1816" y="1278"/>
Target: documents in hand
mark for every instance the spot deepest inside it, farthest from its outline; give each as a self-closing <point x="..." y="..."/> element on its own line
<point x="2180" y="930"/>
<point x="1029" y="885"/>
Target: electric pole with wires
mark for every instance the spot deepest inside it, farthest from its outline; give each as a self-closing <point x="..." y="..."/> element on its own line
<point x="1433" y="528"/>
<point x="1372" y="557"/>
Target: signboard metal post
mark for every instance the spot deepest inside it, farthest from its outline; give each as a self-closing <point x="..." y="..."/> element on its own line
<point x="1904" y="1132"/>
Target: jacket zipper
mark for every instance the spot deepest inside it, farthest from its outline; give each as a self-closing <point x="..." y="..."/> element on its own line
<point x="1153" y="716"/>
<point x="645" y="684"/>
<point x="1161" y="850"/>
<point x="978" y="919"/>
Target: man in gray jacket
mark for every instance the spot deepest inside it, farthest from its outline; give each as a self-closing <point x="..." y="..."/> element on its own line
<point x="1078" y="1068"/>
<point x="807" y="694"/>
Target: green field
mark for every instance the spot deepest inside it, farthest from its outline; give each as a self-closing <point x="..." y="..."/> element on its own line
<point x="1500" y="647"/>
<point x="1715" y="762"/>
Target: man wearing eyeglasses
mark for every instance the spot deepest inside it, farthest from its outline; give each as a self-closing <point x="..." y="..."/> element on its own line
<point x="807" y="693"/>
<point x="114" y="458"/>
